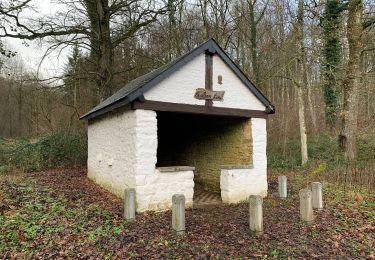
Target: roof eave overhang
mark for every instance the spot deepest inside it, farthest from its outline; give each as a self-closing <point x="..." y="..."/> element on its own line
<point x="209" y="46"/>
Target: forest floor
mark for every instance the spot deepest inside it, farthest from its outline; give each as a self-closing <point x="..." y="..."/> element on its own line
<point x="62" y="214"/>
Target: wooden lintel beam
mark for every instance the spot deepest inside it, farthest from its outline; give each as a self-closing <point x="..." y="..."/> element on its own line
<point x="195" y="109"/>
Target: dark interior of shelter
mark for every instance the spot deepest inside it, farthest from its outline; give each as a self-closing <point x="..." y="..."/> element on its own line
<point x="205" y="142"/>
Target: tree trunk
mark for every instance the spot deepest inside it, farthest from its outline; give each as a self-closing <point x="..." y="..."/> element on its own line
<point x="332" y="60"/>
<point x="171" y="29"/>
<point x="311" y="104"/>
<point x="10" y="111"/>
<point x="204" y="6"/>
<point x="302" y="82"/>
<point x="253" y="41"/>
<point x="347" y="138"/>
<point x="20" y="105"/>
<point x="101" y="45"/>
<point x="302" y="125"/>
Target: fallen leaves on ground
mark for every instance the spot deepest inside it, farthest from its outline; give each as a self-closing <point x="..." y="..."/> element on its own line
<point x="62" y="214"/>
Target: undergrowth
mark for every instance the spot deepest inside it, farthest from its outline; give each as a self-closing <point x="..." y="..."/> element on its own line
<point x="326" y="159"/>
<point x="65" y="148"/>
<point x="43" y="219"/>
<point x="60" y="148"/>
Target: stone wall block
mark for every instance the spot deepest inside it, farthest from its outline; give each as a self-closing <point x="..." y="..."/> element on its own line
<point x="283" y="191"/>
<point x="306" y="209"/>
<point x="178" y="214"/>
<point x="256" y="213"/>
<point x="129" y="204"/>
<point x="317" y="195"/>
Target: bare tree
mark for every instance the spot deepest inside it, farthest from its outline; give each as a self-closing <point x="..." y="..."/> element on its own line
<point x="301" y="83"/>
<point x="254" y="21"/>
<point x="352" y="81"/>
<point x="97" y="25"/>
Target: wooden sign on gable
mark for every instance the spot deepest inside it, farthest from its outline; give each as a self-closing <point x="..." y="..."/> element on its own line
<point x="206" y="94"/>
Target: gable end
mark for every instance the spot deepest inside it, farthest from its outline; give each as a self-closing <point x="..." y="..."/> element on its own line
<point x="136" y="88"/>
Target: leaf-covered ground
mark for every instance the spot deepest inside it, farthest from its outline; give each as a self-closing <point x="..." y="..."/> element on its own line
<point x="62" y="214"/>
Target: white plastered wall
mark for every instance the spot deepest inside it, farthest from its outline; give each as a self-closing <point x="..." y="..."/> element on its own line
<point x="122" y="154"/>
<point x="157" y="189"/>
<point x="180" y="86"/>
<point x="238" y="184"/>
<point x="111" y="146"/>
<point x="237" y="94"/>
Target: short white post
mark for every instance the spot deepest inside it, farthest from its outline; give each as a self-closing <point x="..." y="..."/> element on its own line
<point x="317" y="195"/>
<point x="256" y="213"/>
<point x="306" y="210"/>
<point x="129" y="204"/>
<point x="283" y="192"/>
<point x="178" y="214"/>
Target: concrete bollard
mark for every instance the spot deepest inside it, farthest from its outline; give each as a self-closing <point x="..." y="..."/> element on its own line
<point x="129" y="204"/>
<point x="305" y="209"/>
<point x="178" y="214"/>
<point x="317" y="195"/>
<point x="283" y="192"/>
<point x="256" y="213"/>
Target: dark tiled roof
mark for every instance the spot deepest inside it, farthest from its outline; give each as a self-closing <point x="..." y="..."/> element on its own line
<point x="138" y="86"/>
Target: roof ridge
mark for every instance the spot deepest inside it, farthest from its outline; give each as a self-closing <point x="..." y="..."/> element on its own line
<point x="135" y="88"/>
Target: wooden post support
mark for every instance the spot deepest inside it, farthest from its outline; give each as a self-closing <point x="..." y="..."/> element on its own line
<point x="283" y="191"/>
<point x="129" y="204"/>
<point x="317" y="195"/>
<point x="178" y="214"/>
<point x="256" y="213"/>
<point x="208" y="76"/>
<point x="306" y="210"/>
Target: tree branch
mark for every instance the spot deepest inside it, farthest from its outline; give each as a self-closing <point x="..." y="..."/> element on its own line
<point x="262" y="13"/>
<point x="368" y="23"/>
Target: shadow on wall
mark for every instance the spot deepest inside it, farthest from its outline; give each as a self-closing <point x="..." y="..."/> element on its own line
<point x="205" y="142"/>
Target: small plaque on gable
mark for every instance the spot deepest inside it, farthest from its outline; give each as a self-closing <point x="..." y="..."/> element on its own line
<point x="206" y="94"/>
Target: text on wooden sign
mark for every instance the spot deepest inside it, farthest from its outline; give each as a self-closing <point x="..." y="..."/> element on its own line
<point x="206" y="94"/>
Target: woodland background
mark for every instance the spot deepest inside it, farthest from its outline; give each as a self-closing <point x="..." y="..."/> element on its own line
<point x="305" y="56"/>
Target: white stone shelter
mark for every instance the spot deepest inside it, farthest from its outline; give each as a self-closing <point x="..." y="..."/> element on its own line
<point x="195" y="121"/>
